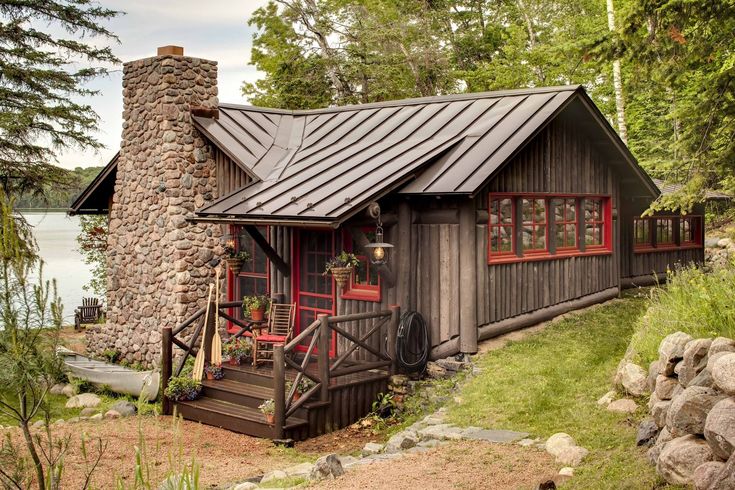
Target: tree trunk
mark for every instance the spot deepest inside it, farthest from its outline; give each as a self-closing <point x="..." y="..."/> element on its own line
<point x="617" y="80"/>
<point x="34" y="454"/>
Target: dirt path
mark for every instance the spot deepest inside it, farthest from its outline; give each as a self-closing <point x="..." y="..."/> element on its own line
<point x="461" y="465"/>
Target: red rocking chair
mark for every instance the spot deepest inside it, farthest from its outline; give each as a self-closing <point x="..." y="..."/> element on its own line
<point x="279" y="331"/>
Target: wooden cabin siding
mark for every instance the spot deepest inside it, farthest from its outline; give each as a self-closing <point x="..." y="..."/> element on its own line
<point x="230" y="176"/>
<point x="280" y="239"/>
<point x="560" y="160"/>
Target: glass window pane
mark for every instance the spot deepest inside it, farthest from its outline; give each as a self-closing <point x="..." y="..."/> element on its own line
<point x="506" y="211"/>
<point x="540" y="210"/>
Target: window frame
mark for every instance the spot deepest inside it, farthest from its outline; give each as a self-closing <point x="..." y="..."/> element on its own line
<point x="535" y="224"/>
<point x="565" y="222"/>
<point x="360" y="292"/>
<point x="696" y="222"/>
<point x="512" y="226"/>
<point x="234" y="292"/>
<point x="552" y="252"/>
<point x="695" y="227"/>
<point x="602" y="222"/>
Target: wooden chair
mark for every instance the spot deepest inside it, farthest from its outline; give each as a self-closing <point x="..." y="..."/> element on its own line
<point x="279" y="331"/>
<point x="89" y="312"/>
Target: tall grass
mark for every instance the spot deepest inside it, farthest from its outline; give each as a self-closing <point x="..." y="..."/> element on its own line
<point x="698" y="303"/>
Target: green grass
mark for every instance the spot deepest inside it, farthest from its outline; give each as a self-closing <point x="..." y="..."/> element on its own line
<point x="288" y="482"/>
<point x="702" y="305"/>
<point x="550" y="382"/>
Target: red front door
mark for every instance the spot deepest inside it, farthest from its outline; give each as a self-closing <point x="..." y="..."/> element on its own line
<point x="313" y="291"/>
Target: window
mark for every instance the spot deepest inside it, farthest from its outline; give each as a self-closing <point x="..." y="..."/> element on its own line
<point x="594" y="223"/>
<point x="533" y="213"/>
<point x="501" y="226"/>
<point x="565" y="222"/>
<point x="253" y="277"/>
<point x="541" y="226"/>
<point x="689" y="227"/>
<point x="665" y="232"/>
<point x="365" y="282"/>
<point x="642" y="233"/>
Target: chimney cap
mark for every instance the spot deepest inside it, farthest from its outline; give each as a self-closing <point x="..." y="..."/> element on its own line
<point x="171" y="50"/>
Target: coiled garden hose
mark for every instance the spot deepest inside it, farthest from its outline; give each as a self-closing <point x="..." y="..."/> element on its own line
<point x="412" y="330"/>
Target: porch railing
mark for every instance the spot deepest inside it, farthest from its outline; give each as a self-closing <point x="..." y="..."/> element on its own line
<point x="319" y="346"/>
<point x="173" y="336"/>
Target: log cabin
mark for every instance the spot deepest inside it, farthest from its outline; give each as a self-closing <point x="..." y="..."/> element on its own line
<point x="504" y="209"/>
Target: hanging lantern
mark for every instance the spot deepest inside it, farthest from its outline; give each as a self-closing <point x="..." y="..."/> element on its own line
<point x="378" y="250"/>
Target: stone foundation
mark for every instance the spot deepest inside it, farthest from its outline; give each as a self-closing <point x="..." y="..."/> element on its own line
<point x="159" y="264"/>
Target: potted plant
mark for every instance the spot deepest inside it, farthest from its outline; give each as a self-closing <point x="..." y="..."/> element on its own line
<point x="233" y="258"/>
<point x="181" y="388"/>
<point x="304" y="385"/>
<point x="214" y="371"/>
<point x="237" y="350"/>
<point x="340" y="266"/>
<point x="255" y="306"/>
<point x="268" y="408"/>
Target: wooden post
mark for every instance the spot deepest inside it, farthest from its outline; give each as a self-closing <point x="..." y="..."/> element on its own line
<point x="467" y="278"/>
<point x="323" y="357"/>
<point x="279" y="390"/>
<point x="402" y="258"/>
<point x="209" y="331"/>
<point x="166" y="366"/>
<point x="395" y="318"/>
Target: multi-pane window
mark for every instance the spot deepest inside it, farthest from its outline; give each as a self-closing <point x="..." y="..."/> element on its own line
<point x="594" y="222"/>
<point x="664" y="231"/>
<point x="365" y="282"/>
<point x="534" y="227"/>
<point x="661" y="232"/>
<point x="533" y="213"/>
<point x="688" y="230"/>
<point x="565" y="222"/>
<point x="501" y="226"/>
<point x="641" y="233"/>
<point x="253" y="277"/>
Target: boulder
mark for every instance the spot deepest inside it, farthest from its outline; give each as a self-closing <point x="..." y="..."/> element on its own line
<point x="112" y="414"/>
<point x="647" y="432"/>
<point x="671" y="351"/>
<point x="401" y="441"/>
<point x="706" y="474"/>
<point x="660" y="411"/>
<point x="125" y="408"/>
<point x="606" y="399"/>
<point x="85" y="400"/>
<point x="652" y="400"/>
<point x="624" y="405"/>
<point x="689" y="410"/>
<point x="680" y="457"/>
<point x="273" y="475"/>
<point x="57" y="389"/>
<point x="434" y="370"/>
<point x="327" y="466"/>
<point x="665" y="387"/>
<point x="371" y="448"/>
<point x="245" y="486"/>
<point x="704" y="378"/>
<point x="571" y="455"/>
<point x="653" y="370"/>
<point x="719" y="428"/>
<point x="723" y="373"/>
<point x="557" y="442"/>
<point x="714" y="357"/>
<point x="722" y="344"/>
<point x="633" y="379"/>
<point x="695" y="359"/>
<point x="87" y="412"/>
<point x="68" y="391"/>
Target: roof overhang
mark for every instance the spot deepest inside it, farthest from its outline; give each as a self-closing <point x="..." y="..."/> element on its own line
<point x="95" y="199"/>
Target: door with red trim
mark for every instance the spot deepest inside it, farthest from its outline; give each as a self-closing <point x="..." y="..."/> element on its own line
<point x="313" y="291"/>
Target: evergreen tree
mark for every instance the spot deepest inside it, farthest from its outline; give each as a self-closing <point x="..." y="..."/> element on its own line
<point x="42" y="47"/>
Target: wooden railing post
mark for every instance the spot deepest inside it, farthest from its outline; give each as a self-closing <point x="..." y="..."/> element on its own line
<point x="166" y="366"/>
<point x="395" y="319"/>
<point x="209" y="331"/>
<point x="323" y="357"/>
<point x="279" y="390"/>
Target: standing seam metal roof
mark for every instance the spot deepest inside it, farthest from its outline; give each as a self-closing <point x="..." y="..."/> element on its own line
<point x="327" y="164"/>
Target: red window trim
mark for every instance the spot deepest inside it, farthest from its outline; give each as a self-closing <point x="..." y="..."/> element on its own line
<point x="563" y="253"/>
<point x="698" y="221"/>
<point x="604" y="222"/>
<point x="566" y="223"/>
<point x="534" y="224"/>
<point x="360" y="292"/>
<point x="512" y="226"/>
<point x="233" y="286"/>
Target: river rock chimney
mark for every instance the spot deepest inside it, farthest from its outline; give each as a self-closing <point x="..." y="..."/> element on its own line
<point x="159" y="264"/>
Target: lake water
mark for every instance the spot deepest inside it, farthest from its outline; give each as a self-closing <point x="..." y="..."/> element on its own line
<point x="56" y="234"/>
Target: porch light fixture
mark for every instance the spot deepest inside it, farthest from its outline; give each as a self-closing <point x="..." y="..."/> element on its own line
<point x="378" y="249"/>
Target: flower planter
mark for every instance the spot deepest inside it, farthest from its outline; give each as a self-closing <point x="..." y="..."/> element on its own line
<point x="257" y="315"/>
<point x="296" y="396"/>
<point x="233" y="361"/>
<point x="270" y="418"/>
<point x="210" y="376"/>
<point x="234" y="264"/>
<point x="341" y="275"/>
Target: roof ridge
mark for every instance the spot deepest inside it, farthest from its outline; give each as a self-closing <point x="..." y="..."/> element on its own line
<point x="407" y="102"/>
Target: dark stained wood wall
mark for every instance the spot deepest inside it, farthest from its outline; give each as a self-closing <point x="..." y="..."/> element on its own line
<point x="230" y="176"/>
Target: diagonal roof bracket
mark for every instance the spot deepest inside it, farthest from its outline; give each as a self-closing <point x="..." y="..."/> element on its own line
<point x="275" y="259"/>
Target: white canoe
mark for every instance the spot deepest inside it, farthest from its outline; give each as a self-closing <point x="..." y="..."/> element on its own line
<point x="118" y="379"/>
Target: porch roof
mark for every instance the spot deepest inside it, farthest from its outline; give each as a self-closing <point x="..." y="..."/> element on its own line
<point x="95" y="199"/>
<point x="323" y="166"/>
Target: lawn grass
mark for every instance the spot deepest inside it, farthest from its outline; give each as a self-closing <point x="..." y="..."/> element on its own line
<point x="550" y="382"/>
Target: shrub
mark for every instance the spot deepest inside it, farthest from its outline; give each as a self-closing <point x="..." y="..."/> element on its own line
<point x="698" y="303"/>
<point x="182" y="388"/>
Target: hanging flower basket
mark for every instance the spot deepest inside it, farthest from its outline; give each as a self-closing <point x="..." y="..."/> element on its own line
<point x="341" y="275"/>
<point x="234" y="264"/>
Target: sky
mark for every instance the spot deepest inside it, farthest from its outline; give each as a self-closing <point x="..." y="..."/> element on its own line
<point x="211" y="29"/>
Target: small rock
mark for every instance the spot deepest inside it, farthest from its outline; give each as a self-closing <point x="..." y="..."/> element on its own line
<point x="245" y="486"/>
<point x="371" y="448"/>
<point x="695" y="359"/>
<point x="680" y="457"/>
<point x="398" y="380"/>
<point x="723" y="373"/>
<point x="273" y="475"/>
<point x="719" y="428"/>
<point x="665" y="387"/>
<point x="57" y="389"/>
<point x="38" y="424"/>
<point x="495" y="436"/>
<point x="112" y="414"/>
<point x="83" y="400"/>
<point x="706" y="474"/>
<point x="689" y="410"/>
<point x="567" y="471"/>
<point x="606" y="399"/>
<point x="60" y="422"/>
<point x="624" y="405"/>
<point x="96" y="417"/>
<point x="546" y="485"/>
<point x="652" y="400"/>
<point x="74" y="420"/>
<point x="433" y="370"/>
<point x="557" y="442"/>
<point x="432" y="443"/>
<point x="653" y="370"/>
<point x="87" y="412"/>
<point x="441" y="432"/>
<point x="346" y="461"/>
<point x="527" y="442"/>
<point x="125" y="408"/>
<point x="671" y="351"/>
<point x="571" y="455"/>
<point x="328" y="467"/>
<point x="634" y="379"/>
<point x="647" y="432"/>
<point x="401" y="441"/>
<point x="68" y="391"/>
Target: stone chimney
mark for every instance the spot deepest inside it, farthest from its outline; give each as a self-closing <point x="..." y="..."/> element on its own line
<point x="159" y="264"/>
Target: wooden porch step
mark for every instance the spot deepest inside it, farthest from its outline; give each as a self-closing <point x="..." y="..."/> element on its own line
<point x="237" y="418"/>
<point x="237" y="392"/>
